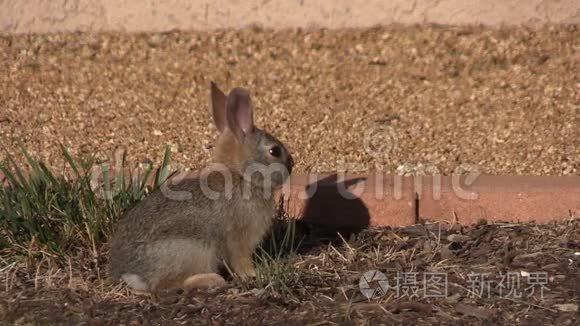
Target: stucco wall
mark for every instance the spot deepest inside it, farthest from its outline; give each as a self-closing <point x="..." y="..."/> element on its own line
<point x="24" y="16"/>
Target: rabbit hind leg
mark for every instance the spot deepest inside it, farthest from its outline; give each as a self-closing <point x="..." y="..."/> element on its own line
<point x="175" y="260"/>
<point x="204" y="281"/>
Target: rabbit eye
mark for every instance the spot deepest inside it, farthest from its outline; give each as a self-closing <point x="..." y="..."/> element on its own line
<point x="275" y="151"/>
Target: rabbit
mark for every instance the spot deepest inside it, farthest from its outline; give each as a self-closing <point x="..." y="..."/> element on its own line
<point x="168" y="243"/>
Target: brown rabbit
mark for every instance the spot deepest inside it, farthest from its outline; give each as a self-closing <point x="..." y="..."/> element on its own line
<point x="168" y="242"/>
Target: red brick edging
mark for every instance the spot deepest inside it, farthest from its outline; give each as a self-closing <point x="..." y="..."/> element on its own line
<point x="389" y="200"/>
<point x="392" y="200"/>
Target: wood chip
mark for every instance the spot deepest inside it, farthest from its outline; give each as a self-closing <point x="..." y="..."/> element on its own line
<point x="473" y="311"/>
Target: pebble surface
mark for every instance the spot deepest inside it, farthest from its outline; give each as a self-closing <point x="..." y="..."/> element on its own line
<point x="398" y="99"/>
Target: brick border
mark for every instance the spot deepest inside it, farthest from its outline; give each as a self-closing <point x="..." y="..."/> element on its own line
<point x="403" y="201"/>
<point x="359" y="201"/>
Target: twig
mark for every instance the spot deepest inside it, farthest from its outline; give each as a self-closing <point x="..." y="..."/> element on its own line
<point x="530" y="304"/>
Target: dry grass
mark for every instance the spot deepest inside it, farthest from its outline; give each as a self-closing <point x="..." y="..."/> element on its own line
<point x="328" y="290"/>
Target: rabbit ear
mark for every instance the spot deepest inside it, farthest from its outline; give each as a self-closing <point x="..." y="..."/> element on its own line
<point x="240" y="112"/>
<point x="218" y="107"/>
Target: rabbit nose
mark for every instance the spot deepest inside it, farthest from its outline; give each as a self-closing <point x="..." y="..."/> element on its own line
<point x="290" y="164"/>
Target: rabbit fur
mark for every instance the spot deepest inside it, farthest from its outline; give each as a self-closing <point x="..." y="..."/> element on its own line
<point x="219" y="217"/>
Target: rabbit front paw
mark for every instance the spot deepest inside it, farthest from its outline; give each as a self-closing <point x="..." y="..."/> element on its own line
<point x="244" y="268"/>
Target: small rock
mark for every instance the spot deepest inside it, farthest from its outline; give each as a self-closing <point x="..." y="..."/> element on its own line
<point x="454" y="298"/>
<point x="378" y="61"/>
<point x="566" y="307"/>
<point x="43" y="117"/>
<point x="459" y="238"/>
<point x="157" y="133"/>
<point x="525" y="274"/>
<point x="473" y="311"/>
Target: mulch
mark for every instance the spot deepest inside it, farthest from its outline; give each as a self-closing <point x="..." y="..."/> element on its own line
<point x="502" y="273"/>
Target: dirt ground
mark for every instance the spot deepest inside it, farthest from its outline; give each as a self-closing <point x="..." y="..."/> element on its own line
<point x="504" y="101"/>
<point x="517" y="261"/>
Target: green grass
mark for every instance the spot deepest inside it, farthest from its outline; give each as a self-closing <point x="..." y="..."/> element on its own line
<point x="276" y="274"/>
<point x="273" y="259"/>
<point x="48" y="214"/>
